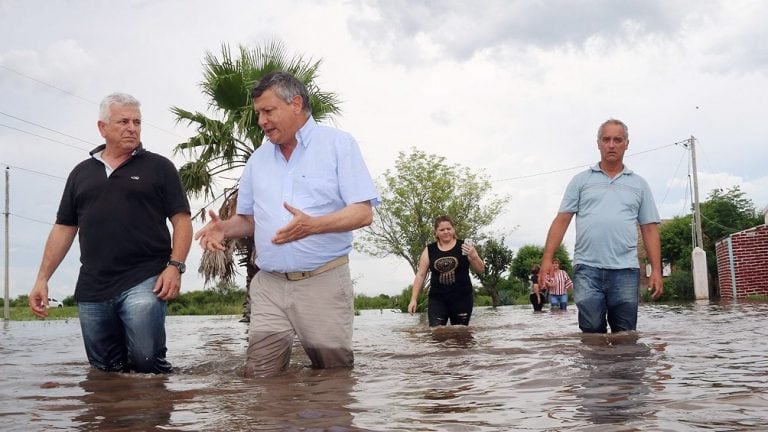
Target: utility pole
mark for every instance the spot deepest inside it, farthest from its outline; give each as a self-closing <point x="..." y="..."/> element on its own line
<point x="696" y="208"/>
<point x="6" y="302"/>
<point x="698" y="256"/>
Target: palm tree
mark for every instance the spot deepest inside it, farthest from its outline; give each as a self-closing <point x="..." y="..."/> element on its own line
<point x="226" y="141"/>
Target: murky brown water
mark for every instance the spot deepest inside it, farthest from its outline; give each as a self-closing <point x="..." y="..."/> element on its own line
<point x="696" y="367"/>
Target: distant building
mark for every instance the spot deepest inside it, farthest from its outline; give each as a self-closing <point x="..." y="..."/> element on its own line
<point x="742" y="263"/>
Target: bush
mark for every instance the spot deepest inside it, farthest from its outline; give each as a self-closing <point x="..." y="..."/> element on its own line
<point x="226" y="302"/>
<point x="677" y="287"/>
<point x="69" y="301"/>
<point x="382" y="301"/>
<point x="405" y="298"/>
<point x="483" y="300"/>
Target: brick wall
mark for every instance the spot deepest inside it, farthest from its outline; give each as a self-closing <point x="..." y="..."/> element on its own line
<point x="749" y="263"/>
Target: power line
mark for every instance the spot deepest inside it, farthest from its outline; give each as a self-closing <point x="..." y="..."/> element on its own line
<point x="47" y="128"/>
<point x="81" y="98"/>
<point x="669" y="186"/>
<point x="44" y="137"/>
<point x="33" y="171"/>
<point x="30" y="219"/>
<point x="732" y="230"/>
<point x="46" y="84"/>
<point x="577" y="166"/>
<point x="709" y="164"/>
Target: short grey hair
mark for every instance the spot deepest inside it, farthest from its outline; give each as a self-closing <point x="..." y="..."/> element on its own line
<point x="115" y="99"/>
<point x="616" y="123"/>
<point x="286" y="87"/>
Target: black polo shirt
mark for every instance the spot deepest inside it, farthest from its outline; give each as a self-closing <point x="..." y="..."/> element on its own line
<point x="122" y="221"/>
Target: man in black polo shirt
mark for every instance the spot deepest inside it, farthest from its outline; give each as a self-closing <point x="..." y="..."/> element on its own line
<point x="119" y="201"/>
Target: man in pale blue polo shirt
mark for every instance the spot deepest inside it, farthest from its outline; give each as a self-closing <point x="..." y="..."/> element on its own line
<point x="609" y="201"/>
<point x="301" y="195"/>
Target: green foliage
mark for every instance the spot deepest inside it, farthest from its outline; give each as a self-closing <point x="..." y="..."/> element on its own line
<point x="420" y="188"/>
<point x="226" y="140"/>
<point x="69" y="301"/>
<point x="512" y="291"/>
<point x="382" y="301"/>
<point x="209" y="302"/>
<point x="482" y="300"/>
<point x="23" y="313"/>
<point x="405" y="298"/>
<point x="530" y="255"/>
<point x="676" y="242"/>
<point x="678" y="286"/>
<point x="497" y="258"/>
<point x="724" y="213"/>
<point x="226" y="288"/>
<point x="21" y="301"/>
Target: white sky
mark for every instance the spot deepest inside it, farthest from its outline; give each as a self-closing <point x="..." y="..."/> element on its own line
<point x="514" y="88"/>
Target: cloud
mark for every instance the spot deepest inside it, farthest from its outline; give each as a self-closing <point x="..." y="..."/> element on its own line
<point x="459" y="29"/>
<point x="63" y="62"/>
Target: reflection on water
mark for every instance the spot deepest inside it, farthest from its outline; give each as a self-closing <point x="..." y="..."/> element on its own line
<point x="120" y="402"/>
<point x="693" y="367"/>
<point x="614" y="386"/>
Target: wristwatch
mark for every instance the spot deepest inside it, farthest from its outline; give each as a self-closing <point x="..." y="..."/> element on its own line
<point x="179" y="265"/>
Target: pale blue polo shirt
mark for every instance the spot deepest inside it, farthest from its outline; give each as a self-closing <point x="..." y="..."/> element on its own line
<point x="326" y="172"/>
<point x="607" y="213"/>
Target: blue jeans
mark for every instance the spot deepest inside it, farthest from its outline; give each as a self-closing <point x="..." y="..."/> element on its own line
<point x="606" y="292"/>
<point x="127" y="332"/>
<point x="560" y="301"/>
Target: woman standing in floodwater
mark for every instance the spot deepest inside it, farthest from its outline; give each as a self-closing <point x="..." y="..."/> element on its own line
<point x="450" y="288"/>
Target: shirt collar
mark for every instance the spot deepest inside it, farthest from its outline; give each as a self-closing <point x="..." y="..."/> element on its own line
<point x="626" y="170"/>
<point x="303" y="134"/>
<point x="101" y="148"/>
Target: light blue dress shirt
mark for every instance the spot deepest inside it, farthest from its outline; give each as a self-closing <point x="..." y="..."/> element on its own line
<point x="326" y="172"/>
<point x="607" y="213"/>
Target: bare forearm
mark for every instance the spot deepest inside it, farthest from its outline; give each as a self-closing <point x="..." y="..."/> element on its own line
<point x="556" y="234"/>
<point x="652" y="242"/>
<point x="182" y="236"/>
<point x="56" y="247"/>
<point x="418" y="284"/>
<point x="477" y="264"/>
<point x="349" y="218"/>
<point x="238" y="226"/>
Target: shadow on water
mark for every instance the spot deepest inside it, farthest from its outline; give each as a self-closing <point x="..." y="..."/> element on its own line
<point x="453" y="336"/>
<point x="123" y="402"/>
<point x="301" y="399"/>
<point x="614" y="386"/>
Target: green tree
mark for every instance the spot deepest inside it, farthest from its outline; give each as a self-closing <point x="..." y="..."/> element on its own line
<point x="497" y="258"/>
<point x="723" y="213"/>
<point x="677" y="242"/>
<point x="530" y="255"/>
<point x="726" y="212"/>
<point x="420" y="188"/>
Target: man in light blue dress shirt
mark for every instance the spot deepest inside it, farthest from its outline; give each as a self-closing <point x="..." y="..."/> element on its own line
<point x="609" y="201"/>
<point x="301" y="195"/>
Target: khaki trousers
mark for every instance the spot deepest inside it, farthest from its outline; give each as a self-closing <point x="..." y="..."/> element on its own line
<point x="319" y="310"/>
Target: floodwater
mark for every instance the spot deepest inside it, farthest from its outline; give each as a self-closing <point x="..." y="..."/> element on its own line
<point x="690" y="367"/>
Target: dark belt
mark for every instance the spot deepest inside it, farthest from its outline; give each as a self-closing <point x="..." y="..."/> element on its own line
<point x="301" y="275"/>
